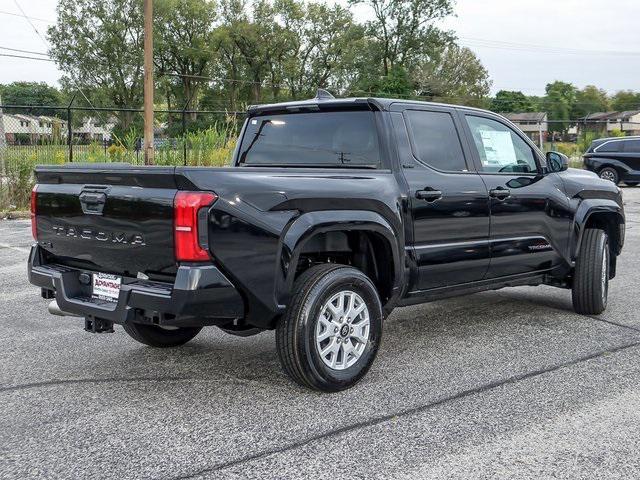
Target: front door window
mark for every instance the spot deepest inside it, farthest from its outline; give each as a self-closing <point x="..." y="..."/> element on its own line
<point x="500" y="149"/>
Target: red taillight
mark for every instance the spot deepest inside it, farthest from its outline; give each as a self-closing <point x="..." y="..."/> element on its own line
<point x="185" y="219"/>
<point x="34" y="211"/>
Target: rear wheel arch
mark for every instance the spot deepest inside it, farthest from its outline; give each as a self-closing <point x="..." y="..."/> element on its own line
<point x="368" y="244"/>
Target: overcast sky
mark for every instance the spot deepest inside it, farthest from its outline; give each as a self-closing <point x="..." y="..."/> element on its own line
<point x="524" y="45"/>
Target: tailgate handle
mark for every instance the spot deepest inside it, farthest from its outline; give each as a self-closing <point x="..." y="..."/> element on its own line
<point x="93" y="202"/>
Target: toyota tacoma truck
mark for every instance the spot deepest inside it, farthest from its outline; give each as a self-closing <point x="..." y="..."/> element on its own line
<point x="333" y="213"/>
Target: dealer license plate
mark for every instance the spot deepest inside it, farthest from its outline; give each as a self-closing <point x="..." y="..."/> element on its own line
<point x="106" y="286"/>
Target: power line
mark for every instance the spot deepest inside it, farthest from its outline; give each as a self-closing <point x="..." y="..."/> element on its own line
<point x="32" y="18"/>
<point x="24" y="51"/>
<point x="26" y="57"/>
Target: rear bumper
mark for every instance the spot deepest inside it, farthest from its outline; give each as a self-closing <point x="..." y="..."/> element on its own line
<point x="201" y="295"/>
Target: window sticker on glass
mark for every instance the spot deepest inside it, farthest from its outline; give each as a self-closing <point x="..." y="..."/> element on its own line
<point x="498" y="148"/>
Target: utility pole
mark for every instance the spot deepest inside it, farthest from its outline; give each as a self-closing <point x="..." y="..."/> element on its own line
<point x="148" y="82"/>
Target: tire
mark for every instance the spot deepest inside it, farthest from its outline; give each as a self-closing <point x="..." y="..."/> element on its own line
<point x="300" y="333"/>
<point x="611" y="174"/>
<point x="632" y="184"/>
<point x="591" y="278"/>
<point x="160" y="337"/>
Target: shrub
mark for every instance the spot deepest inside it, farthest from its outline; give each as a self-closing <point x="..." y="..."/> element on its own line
<point x="117" y="153"/>
<point x="15" y="187"/>
<point x="569" y="149"/>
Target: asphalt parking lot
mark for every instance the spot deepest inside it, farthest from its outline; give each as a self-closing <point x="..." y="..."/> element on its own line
<point x="505" y="384"/>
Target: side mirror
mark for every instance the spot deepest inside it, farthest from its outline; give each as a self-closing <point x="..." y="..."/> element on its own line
<point x="557" y="162"/>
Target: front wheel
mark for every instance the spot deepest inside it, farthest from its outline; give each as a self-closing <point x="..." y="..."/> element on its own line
<point x="161" y="337"/>
<point x="330" y="334"/>
<point x="591" y="278"/>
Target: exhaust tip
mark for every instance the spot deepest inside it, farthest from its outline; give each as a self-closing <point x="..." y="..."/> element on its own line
<point x="54" y="309"/>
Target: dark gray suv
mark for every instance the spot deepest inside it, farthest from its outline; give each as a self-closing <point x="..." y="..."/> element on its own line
<point x="616" y="159"/>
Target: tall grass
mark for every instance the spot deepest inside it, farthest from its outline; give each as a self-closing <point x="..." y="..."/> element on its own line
<point x="212" y="147"/>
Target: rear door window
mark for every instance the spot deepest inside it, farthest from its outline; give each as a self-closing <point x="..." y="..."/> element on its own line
<point x="435" y="140"/>
<point x="337" y="139"/>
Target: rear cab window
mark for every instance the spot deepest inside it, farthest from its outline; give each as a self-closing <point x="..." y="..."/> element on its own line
<point x="341" y="139"/>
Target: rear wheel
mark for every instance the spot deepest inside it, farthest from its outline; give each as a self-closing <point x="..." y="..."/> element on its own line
<point x="330" y="334"/>
<point x="591" y="277"/>
<point x="608" y="173"/>
<point x="161" y="337"/>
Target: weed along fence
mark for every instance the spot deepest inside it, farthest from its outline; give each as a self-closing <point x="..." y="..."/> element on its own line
<point x="32" y="135"/>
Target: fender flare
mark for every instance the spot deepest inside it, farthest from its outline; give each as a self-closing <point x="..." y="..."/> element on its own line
<point x="304" y="227"/>
<point x="586" y="210"/>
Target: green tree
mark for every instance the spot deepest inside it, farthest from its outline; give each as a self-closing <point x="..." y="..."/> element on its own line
<point x="405" y="30"/>
<point x="559" y="103"/>
<point x="625" y="100"/>
<point x="507" y="101"/>
<point x="322" y="44"/>
<point x="456" y="76"/>
<point x="397" y="83"/>
<point x="261" y="43"/>
<point x="31" y="93"/>
<point x="230" y="62"/>
<point x="590" y="100"/>
<point x="183" y="39"/>
<point x="98" y="45"/>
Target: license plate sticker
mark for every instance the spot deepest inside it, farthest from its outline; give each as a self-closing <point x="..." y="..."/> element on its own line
<point x="106" y="286"/>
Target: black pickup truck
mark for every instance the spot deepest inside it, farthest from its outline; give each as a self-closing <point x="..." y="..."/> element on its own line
<point x="334" y="212"/>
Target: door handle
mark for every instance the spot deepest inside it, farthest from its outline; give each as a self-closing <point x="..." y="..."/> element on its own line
<point x="500" y="193"/>
<point x="429" y="194"/>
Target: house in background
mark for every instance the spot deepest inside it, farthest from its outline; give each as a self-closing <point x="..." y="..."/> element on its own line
<point x="16" y="128"/>
<point x="534" y="124"/>
<point x="94" y="129"/>
<point x="627" y="122"/>
<point x="595" y="122"/>
<point x="22" y="129"/>
<point x="604" y="123"/>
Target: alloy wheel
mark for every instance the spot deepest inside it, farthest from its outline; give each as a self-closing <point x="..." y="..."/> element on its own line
<point x="342" y="330"/>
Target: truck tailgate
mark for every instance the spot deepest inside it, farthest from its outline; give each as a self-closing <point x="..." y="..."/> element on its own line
<point x="109" y="218"/>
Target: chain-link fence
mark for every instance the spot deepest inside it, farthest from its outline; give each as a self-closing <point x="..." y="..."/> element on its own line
<point x="56" y="135"/>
